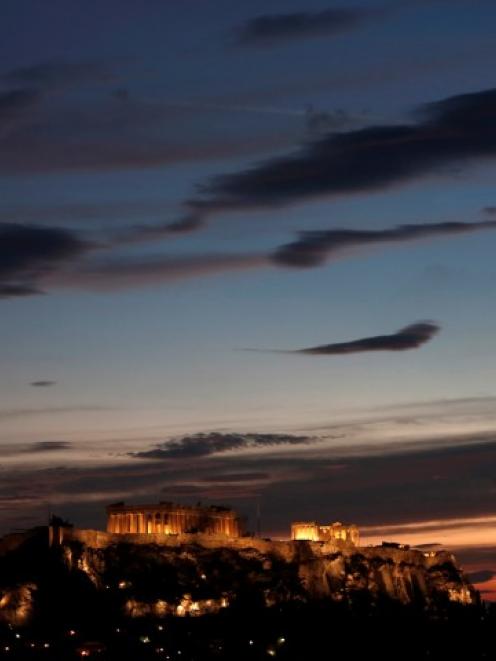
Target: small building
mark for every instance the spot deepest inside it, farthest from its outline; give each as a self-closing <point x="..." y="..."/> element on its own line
<point x="314" y="532"/>
<point x="172" y="519"/>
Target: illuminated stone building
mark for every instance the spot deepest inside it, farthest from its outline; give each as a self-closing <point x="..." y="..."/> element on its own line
<point x="314" y="532"/>
<point x="171" y="519"/>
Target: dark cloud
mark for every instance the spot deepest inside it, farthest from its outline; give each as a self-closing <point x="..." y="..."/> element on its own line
<point x="58" y="74"/>
<point x="481" y="576"/>
<point x="323" y="121"/>
<point x="313" y="248"/>
<point x="42" y="383"/>
<point x="121" y="94"/>
<point x="6" y="414"/>
<point x="236" y="477"/>
<point x="26" y="87"/>
<point x="372" y="485"/>
<point x="270" y="29"/>
<point x="410" y="337"/>
<point x="49" y="446"/>
<point x="459" y="129"/>
<point x="27" y="253"/>
<point x="273" y="29"/>
<point x="477" y="557"/>
<point x="14" y="290"/>
<point x="34" y="259"/>
<point x="422" y="484"/>
<point x="217" y="493"/>
<point x="64" y="267"/>
<point x="82" y="213"/>
<point x="203" y="445"/>
<point x="14" y="103"/>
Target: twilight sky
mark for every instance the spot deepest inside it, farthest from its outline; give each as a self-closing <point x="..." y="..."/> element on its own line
<point x="247" y="255"/>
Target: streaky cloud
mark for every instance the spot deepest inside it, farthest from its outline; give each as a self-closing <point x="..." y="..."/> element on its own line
<point x="387" y="479"/>
<point x="36" y="259"/>
<point x="42" y="383"/>
<point x="10" y="290"/>
<point x="410" y="337"/>
<point x="482" y="575"/>
<point x="134" y="134"/>
<point x="116" y="274"/>
<point x="271" y="29"/>
<point x="48" y="446"/>
<point x="275" y="29"/>
<point x="13" y="413"/>
<point x="56" y="74"/>
<point x="315" y="247"/>
<point x="255" y="476"/>
<point x="459" y="129"/>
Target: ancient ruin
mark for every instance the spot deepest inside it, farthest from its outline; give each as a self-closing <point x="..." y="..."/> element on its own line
<point x="314" y="532"/>
<point x="167" y="518"/>
<point x="172" y="519"/>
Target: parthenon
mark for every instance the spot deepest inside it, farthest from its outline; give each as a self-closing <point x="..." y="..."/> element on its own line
<point x="171" y="519"/>
<point x="314" y="532"/>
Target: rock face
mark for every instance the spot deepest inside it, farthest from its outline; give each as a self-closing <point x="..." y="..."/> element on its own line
<point x="16" y="604"/>
<point x="136" y="576"/>
<point x="406" y="576"/>
<point x="195" y="574"/>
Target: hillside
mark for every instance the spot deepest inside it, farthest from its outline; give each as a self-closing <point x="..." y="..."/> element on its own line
<point x="100" y="584"/>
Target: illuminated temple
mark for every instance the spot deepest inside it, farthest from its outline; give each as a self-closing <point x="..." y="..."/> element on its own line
<point x="314" y="532"/>
<point x="170" y="519"/>
<point x="167" y="518"/>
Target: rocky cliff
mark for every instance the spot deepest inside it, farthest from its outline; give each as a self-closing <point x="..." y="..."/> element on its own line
<point x="195" y="575"/>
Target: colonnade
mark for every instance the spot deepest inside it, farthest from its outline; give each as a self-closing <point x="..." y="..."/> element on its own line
<point x="151" y="520"/>
<point x="311" y="531"/>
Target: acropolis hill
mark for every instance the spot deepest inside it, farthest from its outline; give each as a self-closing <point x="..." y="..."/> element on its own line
<point x="181" y="546"/>
<point x="175" y="560"/>
<point x="200" y="592"/>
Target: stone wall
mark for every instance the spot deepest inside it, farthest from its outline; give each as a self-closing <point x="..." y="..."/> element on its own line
<point x="100" y="539"/>
<point x="290" y="550"/>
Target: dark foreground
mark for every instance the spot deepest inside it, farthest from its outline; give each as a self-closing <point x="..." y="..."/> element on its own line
<point x="295" y="631"/>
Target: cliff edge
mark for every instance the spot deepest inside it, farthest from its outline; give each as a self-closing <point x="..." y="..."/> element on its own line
<point x="158" y="575"/>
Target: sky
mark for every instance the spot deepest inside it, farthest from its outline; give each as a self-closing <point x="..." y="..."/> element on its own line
<point x="247" y="257"/>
